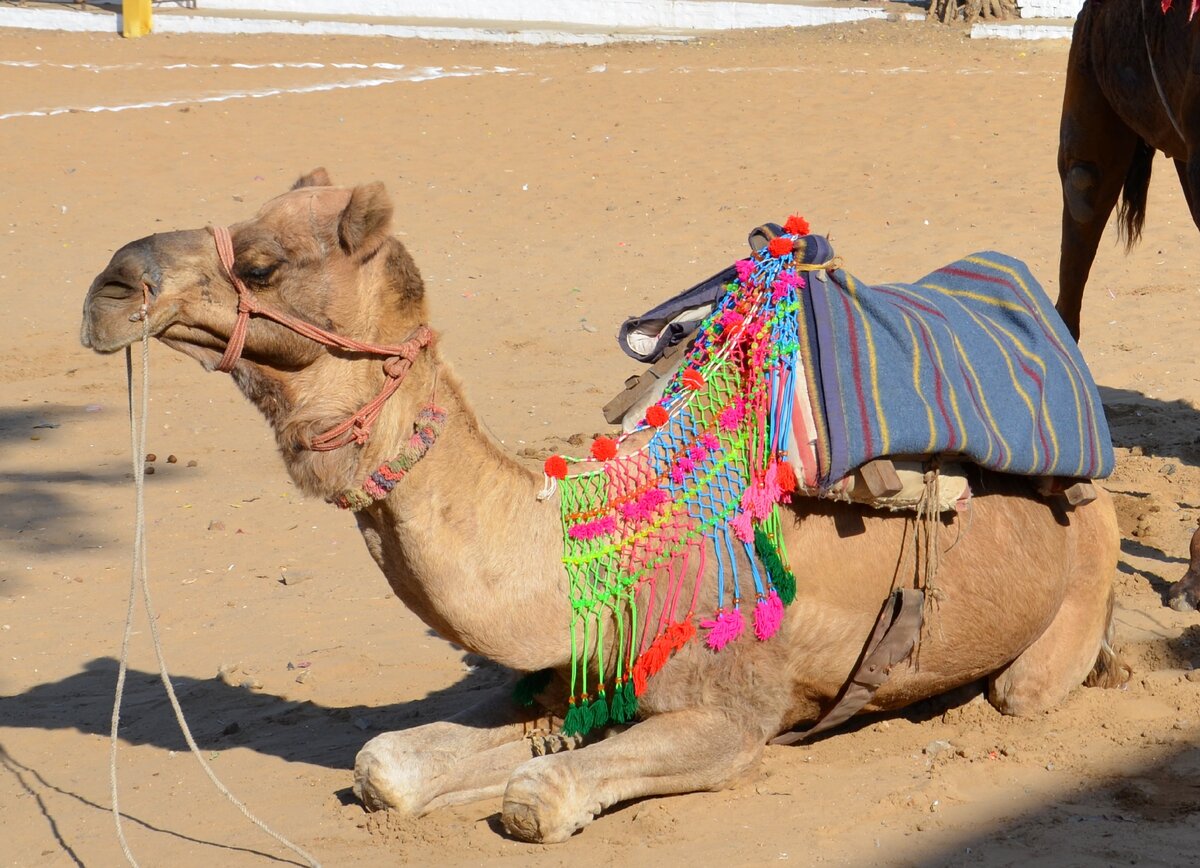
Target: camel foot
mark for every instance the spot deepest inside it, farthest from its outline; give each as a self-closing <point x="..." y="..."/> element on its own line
<point x="418" y="770"/>
<point x="390" y="775"/>
<point x="544" y="803"/>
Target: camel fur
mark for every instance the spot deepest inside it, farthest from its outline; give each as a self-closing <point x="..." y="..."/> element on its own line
<point x="1023" y="594"/>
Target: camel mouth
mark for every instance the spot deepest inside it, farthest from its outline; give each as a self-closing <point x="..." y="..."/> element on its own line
<point x="112" y="317"/>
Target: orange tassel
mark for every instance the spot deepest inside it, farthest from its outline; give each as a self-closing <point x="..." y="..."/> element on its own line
<point x="655" y="657"/>
<point x="786" y="476"/>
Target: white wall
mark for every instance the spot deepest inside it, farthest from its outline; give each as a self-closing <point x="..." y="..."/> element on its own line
<point x="1049" y="8"/>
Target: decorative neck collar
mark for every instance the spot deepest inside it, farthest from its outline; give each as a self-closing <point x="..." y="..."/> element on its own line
<point x="429" y="424"/>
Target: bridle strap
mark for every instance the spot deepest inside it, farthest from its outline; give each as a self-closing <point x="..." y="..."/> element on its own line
<point x="357" y="429"/>
<point x="398" y="360"/>
<point x="246" y="303"/>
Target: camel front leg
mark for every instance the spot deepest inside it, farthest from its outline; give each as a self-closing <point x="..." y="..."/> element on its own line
<point x="457" y="761"/>
<point x="549" y="798"/>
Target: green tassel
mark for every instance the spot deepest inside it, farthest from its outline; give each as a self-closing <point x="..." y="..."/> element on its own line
<point x="785" y="586"/>
<point x="621" y="699"/>
<point x="585" y="717"/>
<point x="616" y="705"/>
<point x="781" y="577"/>
<point x="599" y="711"/>
<point x="630" y="701"/>
<point x="573" y="723"/>
<point x="530" y="685"/>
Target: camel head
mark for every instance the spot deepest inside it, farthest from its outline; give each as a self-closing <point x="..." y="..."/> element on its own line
<point x="318" y="253"/>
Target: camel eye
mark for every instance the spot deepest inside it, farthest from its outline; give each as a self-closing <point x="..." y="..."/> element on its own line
<point x="258" y="273"/>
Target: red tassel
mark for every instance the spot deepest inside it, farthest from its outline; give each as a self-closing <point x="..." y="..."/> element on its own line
<point x="649" y="662"/>
<point x="655" y="657"/>
<point x="680" y="633"/>
<point x="780" y="246"/>
<point x="555" y="467"/>
<point x="786" y="476"/>
<point x="604" y="448"/>
<point x="796" y="225"/>
<point x="656" y="415"/>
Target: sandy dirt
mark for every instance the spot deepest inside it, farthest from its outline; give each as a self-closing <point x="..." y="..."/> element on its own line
<point x="546" y="196"/>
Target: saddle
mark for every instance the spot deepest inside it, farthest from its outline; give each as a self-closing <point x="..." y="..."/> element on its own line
<point x="837" y="456"/>
<point x="897" y="482"/>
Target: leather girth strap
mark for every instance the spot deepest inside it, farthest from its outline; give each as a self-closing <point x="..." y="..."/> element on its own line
<point x="895" y="636"/>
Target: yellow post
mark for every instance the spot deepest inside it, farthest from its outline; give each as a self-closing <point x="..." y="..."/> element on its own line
<point x="135" y="15"/>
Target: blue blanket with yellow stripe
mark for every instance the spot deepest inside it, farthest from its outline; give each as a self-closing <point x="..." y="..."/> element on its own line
<point x="971" y="359"/>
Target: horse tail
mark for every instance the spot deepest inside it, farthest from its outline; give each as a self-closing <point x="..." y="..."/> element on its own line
<point x="1110" y="670"/>
<point x="1132" y="212"/>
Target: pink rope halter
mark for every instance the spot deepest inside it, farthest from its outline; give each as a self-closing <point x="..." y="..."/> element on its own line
<point x="398" y="359"/>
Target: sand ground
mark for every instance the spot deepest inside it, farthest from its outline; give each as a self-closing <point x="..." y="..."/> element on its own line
<point x="547" y="194"/>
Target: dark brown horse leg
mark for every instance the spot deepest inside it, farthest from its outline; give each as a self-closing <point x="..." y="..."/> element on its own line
<point x="1095" y="151"/>
<point x="1189" y="169"/>
<point x="1181" y="167"/>
<point x="1185" y="594"/>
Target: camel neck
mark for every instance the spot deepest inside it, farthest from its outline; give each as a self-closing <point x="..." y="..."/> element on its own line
<point x="462" y="538"/>
<point x="467" y="546"/>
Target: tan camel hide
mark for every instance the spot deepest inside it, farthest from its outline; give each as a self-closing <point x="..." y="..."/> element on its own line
<point x="1023" y="595"/>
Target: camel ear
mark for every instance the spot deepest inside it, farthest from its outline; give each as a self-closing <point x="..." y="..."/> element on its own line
<point x="318" y="177"/>
<point x="365" y="222"/>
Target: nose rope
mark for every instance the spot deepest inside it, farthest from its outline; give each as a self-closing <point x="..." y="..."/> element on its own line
<point x="398" y="358"/>
<point x="139" y="578"/>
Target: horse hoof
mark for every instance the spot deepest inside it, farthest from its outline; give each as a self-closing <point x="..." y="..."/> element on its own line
<point x="1182" y="602"/>
<point x="1184" y="595"/>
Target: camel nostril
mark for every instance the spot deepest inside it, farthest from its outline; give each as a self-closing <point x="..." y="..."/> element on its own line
<point x="117" y="290"/>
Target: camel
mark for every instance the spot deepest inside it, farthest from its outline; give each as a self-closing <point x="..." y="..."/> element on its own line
<point x="1132" y="90"/>
<point x="1023" y="593"/>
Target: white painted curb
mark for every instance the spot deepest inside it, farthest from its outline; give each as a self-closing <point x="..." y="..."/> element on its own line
<point x="1020" y="31"/>
<point x="639" y="20"/>
<point x="657" y="14"/>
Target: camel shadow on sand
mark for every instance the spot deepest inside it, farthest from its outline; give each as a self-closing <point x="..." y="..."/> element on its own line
<point x="223" y="716"/>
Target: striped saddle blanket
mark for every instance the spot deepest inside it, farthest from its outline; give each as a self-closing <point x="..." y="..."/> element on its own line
<point x="970" y="361"/>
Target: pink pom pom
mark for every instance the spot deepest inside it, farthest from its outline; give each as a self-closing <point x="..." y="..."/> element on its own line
<point x="760" y="496"/>
<point x="732" y="415"/>
<point x="768" y="616"/>
<point x="727" y="627"/>
<point x="593" y="529"/>
<point x="644" y="507"/>
<point x="731" y="319"/>
<point x="741" y="527"/>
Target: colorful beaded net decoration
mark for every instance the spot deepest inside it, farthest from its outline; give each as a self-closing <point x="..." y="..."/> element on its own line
<point x="641" y="529"/>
